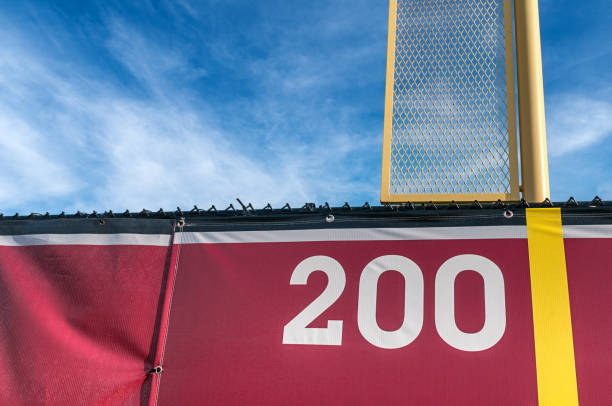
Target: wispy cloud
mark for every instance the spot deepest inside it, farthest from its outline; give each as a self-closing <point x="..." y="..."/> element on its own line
<point x="156" y="104"/>
<point x="72" y="140"/>
<point x="577" y="122"/>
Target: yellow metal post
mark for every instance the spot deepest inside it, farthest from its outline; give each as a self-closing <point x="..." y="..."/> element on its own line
<point x="388" y="126"/>
<point x="532" y="125"/>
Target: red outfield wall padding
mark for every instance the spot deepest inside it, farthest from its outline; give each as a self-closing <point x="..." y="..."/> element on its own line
<point x="589" y="273"/>
<point x="79" y="316"/>
<point x="389" y="309"/>
<point x="243" y="300"/>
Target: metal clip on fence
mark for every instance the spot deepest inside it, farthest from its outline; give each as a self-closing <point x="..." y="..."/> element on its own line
<point x="571" y="202"/>
<point x="596" y="201"/>
<point x="547" y="203"/>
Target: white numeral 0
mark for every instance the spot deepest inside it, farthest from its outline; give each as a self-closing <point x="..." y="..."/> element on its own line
<point x="295" y="331"/>
<point x="495" y="303"/>
<point x="413" y="302"/>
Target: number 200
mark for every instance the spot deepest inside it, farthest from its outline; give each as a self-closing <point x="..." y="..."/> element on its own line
<point x="296" y="332"/>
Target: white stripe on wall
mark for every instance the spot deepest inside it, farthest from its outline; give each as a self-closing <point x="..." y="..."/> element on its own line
<point x="342" y="234"/>
<point x="162" y="240"/>
<point x="354" y="234"/>
<point x="588" y="231"/>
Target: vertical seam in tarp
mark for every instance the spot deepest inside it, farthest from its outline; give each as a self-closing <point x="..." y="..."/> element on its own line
<point x="165" y="319"/>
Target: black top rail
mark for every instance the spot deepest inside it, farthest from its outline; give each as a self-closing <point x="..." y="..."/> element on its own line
<point x="311" y="208"/>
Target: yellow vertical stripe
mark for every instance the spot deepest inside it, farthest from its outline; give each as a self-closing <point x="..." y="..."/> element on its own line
<point x="552" y="324"/>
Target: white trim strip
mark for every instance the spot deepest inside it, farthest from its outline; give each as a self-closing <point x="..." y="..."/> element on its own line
<point x="162" y="240"/>
<point x="270" y="236"/>
<point x="588" y="231"/>
<point x="354" y="234"/>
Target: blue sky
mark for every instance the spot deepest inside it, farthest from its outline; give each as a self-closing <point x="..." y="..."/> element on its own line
<point x="115" y="105"/>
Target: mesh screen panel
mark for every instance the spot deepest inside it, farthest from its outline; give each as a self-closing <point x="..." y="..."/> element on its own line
<point x="452" y="124"/>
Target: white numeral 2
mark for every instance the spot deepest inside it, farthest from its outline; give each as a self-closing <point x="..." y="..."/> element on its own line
<point x="295" y="331"/>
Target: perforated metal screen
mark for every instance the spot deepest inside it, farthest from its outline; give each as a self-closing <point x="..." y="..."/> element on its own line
<point x="450" y="129"/>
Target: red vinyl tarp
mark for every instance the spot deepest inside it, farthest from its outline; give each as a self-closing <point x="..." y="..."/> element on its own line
<point x="372" y="308"/>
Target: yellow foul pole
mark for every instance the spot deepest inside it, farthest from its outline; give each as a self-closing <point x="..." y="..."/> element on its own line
<point x="532" y="125"/>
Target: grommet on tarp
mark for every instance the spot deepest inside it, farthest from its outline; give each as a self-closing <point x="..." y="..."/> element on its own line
<point x="596" y="201"/>
<point x="523" y="204"/>
<point x="329" y="218"/>
<point x="102" y="222"/>
<point x="157" y="370"/>
<point x="476" y="205"/>
<point x="181" y="222"/>
<point x="571" y="202"/>
<point x="547" y="203"/>
<point x="286" y="207"/>
<point x="212" y="208"/>
<point x="453" y="205"/>
<point x="508" y="214"/>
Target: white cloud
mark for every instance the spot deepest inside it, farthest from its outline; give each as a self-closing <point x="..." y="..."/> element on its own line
<point x="576" y="122"/>
<point x="69" y="140"/>
<point x="27" y="171"/>
<point x="604" y="190"/>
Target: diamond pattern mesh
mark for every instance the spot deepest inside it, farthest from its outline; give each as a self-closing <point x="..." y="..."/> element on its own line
<point x="450" y="125"/>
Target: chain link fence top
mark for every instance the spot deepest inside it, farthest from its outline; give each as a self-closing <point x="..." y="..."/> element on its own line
<point x="450" y="127"/>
